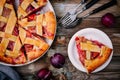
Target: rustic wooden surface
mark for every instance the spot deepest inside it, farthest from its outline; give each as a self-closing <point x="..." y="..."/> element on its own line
<point x="69" y="72"/>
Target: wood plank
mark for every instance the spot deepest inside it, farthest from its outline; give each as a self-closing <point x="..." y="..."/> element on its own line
<point x="30" y="70"/>
<point x="104" y="74"/>
<point x="64" y="6"/>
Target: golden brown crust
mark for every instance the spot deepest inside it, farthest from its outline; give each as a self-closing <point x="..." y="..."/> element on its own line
<point x="1" y="6"/>
<point x="49" y="23"/>
<point x="6" y="59"/>
<point x="20" y="60"/>
<point x="36" y="53"/>
<point x="24" y="5"/>
<point x="91" y="65"/>
<point x="39" y="20"/>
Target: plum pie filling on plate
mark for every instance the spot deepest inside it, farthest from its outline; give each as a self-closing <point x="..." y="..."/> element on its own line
<point x="92" y="54"/>
<point x="24" y="34"/>
<point x="90" y="50"/>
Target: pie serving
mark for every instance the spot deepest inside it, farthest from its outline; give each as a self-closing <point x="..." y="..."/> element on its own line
<point x="40" y="24"/>
<point x="27" y="7"/>
<point x="92" y="53"/>
<point x="23" y="33"/>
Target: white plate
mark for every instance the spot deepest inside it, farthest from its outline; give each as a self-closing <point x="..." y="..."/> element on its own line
<point x="46" y="8"/>
<point x="93" y="34"/>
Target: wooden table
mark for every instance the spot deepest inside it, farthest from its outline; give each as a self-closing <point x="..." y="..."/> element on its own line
<point x="69" y="72"/>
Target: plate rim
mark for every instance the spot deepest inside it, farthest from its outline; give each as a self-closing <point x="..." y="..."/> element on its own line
<point x="104" y="65"/>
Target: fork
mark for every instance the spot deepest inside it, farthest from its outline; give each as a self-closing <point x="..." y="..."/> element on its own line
<point x="69" y="18"/>
<point x="72" y="11"/>
<point x="103" y="7"/>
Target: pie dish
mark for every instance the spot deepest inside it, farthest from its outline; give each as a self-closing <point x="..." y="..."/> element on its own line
<point x="25" y="37"/>
<point x="81" y="44"/>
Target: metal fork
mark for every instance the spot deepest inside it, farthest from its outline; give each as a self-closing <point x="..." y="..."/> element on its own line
<point x="73" y="11"/>
<point x="103" y="7"/>
<point x="69" y="18"/>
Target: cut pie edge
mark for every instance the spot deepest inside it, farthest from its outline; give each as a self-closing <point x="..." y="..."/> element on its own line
<point x="46" y="25"/>
<point x="39" y="45"/>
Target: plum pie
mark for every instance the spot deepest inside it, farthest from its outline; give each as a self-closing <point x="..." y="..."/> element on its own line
<point x="23" y="33"/>
<point x="92" y="53"/>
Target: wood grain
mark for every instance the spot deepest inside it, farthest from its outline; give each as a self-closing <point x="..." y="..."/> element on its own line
<point x="63" y="36"/>
<point x="62" y="7"/>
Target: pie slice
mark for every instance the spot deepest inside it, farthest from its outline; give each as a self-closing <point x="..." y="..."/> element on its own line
<point x="10" y="45"/>
<point x="92" y="54"/>
<point x="49" y="25"/>
<point x="33" y="46"/>
<point x="41" y="24"/>
<point x="27" y="7"/>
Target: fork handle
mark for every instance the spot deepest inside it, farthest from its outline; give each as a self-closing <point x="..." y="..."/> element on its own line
<point x="88" y="5"/>
<point x="91" y="3"/>
<point x="103" y="7"/>
<point x="82" y="2"/>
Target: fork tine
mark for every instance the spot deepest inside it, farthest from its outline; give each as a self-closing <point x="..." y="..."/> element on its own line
<point x="65" y="20"/>
<point x="64" y="25"/>
<point x="68" y="22"/>
<point x="65" y="16"/>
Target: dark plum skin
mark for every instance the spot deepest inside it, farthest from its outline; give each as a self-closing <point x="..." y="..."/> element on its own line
<point x="44" y="74"/>
<point x="108" y="20"/>
<point x="57" y="60"/>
